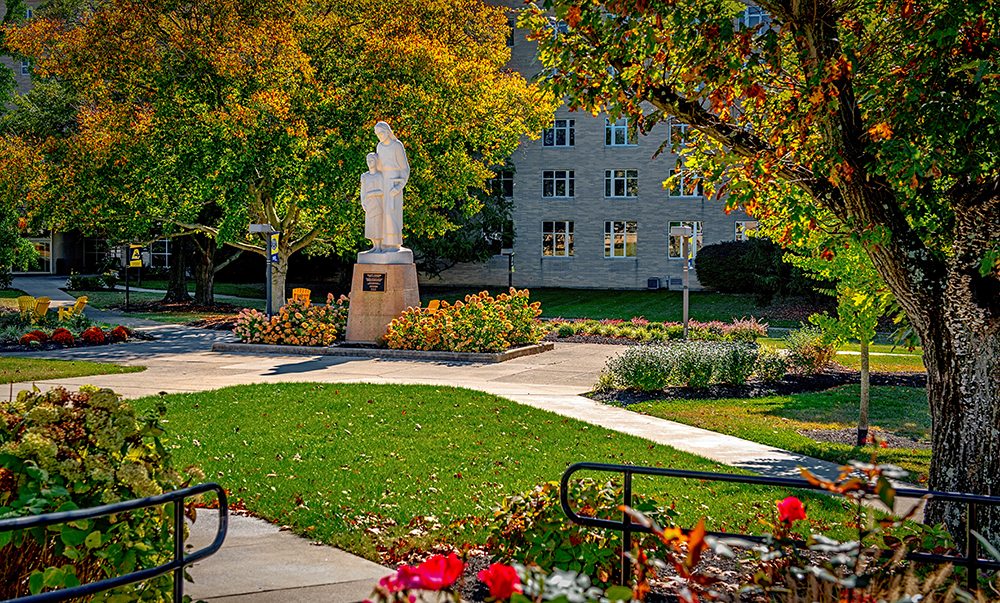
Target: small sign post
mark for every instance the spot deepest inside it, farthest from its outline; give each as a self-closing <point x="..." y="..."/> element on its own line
<point x="685" y="233"/>
<point x="272" y="256"/>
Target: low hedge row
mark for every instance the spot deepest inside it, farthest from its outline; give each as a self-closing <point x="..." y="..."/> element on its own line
<point x="745" y="330"/>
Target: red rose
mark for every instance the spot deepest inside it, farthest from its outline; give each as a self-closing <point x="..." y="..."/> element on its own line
<point x="502" y="580"/>
<point x="405" y="578"/>
<point x="440" y="572"/>
<point x="790" y="510"/>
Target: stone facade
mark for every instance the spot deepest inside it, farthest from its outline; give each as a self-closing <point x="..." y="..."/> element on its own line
<point x="651" y="208"/>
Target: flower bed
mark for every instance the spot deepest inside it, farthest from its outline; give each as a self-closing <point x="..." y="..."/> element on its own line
<point x="640" y="329"/>
<point x="298" y="323"/>
<point x="481" y="323"/>
<point x="15" y="336"/>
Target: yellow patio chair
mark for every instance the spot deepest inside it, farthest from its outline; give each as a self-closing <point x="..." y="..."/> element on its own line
<point x="300" y="294"/>
<point x="41" y="307"/>
<point x="434" y="306"/>
<point x="77" y="308"/>
<point x="26" y="305"/>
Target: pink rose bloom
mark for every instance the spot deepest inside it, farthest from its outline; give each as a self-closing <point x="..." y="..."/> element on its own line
<point x="502" y="580"/>
<point x="790" y="510"/>
<point x="440" y="572"/>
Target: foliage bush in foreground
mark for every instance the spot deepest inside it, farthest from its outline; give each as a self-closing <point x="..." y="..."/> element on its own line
<point x="532" y="528"/>
<point x="61" y="451"/>
<point x="686" y="363"/>
<point x="480" y="324"/>
<point x="297" y="323"/>
<point x="745" y="330"/>
<point x="809" y="349"/>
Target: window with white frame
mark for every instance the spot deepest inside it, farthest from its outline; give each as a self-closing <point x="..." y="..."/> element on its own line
<point x="621" y="183"/>
<point x="684" y="183"/>
<point x="620" y="239"/>
<point x="557" y="238"/>
<point x="95" y="250"/>
<point x="743" y="228"/>
<point x="558" y="183"/>
<point x="561" y="134"/>
<point x="677" y="133"/>
<point x="675" y="249"/>
<point x="503" y="184"/>
<point x="29" y="13"/>
<point x="616" y="133"/>
<point x="754" y="16"/>
<point x="160" y="254"/>
<point x="25" y="68"/>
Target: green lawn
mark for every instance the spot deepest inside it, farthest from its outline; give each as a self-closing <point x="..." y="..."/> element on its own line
<point x="18" y="370"/>
<point x="11" y="293"/>
<point x="104" y="299"/>
<point x="776" y="420"/>
<point x="332" y="460"/>
<point x="252" y="290"/>
<point x="895" y="359"/>
<point x="660" y="305"/>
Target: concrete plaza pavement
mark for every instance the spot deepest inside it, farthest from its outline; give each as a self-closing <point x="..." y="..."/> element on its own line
<point x="259" y="563"/>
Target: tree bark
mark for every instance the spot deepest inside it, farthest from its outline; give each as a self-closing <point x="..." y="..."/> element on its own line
<point x="865" y="381"/>
<point x="204" y="270"/>
<point x="177" y="284"/>
<point x="279" y="274"/>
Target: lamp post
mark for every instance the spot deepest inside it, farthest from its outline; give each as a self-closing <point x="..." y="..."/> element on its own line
<point x="509" y="252"/>
<point x="685" y="233"/>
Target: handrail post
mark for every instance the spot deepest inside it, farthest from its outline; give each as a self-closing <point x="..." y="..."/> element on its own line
<point x="972" y="545"/>
<point x="626" y="531"/>
<point x="179" y="550"/>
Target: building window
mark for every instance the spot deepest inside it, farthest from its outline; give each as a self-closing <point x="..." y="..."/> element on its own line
<point x="160" y="254"/>
<point x="562" y="134"/>
<point x="677" y="134"/>
<point x="621" y="183"/>
<point x="25" y="68"/>
<point x="754" y="16"/>
<point x="684" y="184"/>
<point x="558" y="183"/>
<point x="620" y="239"/>
<point x="616" y="134"/>
<point x="743" y="228"/>
<point x="29" y="13"/>
<point x="676" y="246"/>
<point x="511" y="26"/>
<point x="95" y="251"/>
<point x="43" y="263"/>
<point x="502" y="185"/>
<point x="557" y="239"/>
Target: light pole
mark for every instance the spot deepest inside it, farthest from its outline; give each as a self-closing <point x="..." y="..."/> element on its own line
<point x="685" y="233"/>
<point x="509" y="252"/>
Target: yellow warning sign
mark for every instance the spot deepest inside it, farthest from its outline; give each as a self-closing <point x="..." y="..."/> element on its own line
<point x="135" y="256"/>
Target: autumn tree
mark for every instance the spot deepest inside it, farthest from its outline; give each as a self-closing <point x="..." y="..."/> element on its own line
<point x="883" y="114"/>
<point x="264" y="111"/>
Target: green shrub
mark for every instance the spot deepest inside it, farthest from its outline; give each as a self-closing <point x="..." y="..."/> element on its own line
<point x="61" y="451"/>
<point x="643" y="367"/>
<point x="754" y="267"/>
<point x="809" y="349"/>
<point x="77" y="282"/>
<point x="566" y="331"/>
<point x="532" y="529"/>
<point x="693" y="363"/>
<point x="771" y="364"/>
<point x="735" y="363"/>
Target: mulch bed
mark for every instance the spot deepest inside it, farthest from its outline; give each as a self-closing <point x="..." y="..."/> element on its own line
<point x="833" y="376"/>
<point x="161" y="307"/>
<point x="849" y="437"/>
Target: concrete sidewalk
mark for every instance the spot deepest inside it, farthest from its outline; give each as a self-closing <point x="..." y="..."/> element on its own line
<point x="260" y="564"/>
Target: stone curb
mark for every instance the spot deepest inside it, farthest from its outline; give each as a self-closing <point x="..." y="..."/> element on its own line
<point x="284" y="350"/>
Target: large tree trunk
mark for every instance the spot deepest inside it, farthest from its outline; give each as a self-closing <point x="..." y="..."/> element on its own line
<point x="865" y="382"/>
<point x="177" y="285"/>
<point x="279" y="274"/>
<point x="204" y="270"/>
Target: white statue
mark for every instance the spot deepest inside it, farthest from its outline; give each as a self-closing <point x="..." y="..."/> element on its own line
<point x="382" y="199"/>
<point x="371" y="201"/>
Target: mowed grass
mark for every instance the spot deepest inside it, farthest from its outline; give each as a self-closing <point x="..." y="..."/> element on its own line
<point x="881" y="357"/>
<point x="18" y="370"/>
<point x="104" y="299"/>
<point x="333" y="460"/>
<point x="776" y="421"/>
<point x="252" y="290"/>
<point x="11" y="293"/>
<point x="660" y="305"/>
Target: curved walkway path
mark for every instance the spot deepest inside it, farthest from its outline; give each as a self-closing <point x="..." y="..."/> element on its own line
<point x="259" y="563"/>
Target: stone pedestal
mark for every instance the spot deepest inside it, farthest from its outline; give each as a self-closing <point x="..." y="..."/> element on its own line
<point x="379" y="293"/>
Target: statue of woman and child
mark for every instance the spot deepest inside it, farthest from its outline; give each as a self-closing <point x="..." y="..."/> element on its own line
<point x="382" y="199"/>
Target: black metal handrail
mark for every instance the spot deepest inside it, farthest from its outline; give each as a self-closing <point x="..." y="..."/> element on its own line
<point x="176" y="566"/>
<point x="971" y="559"/>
